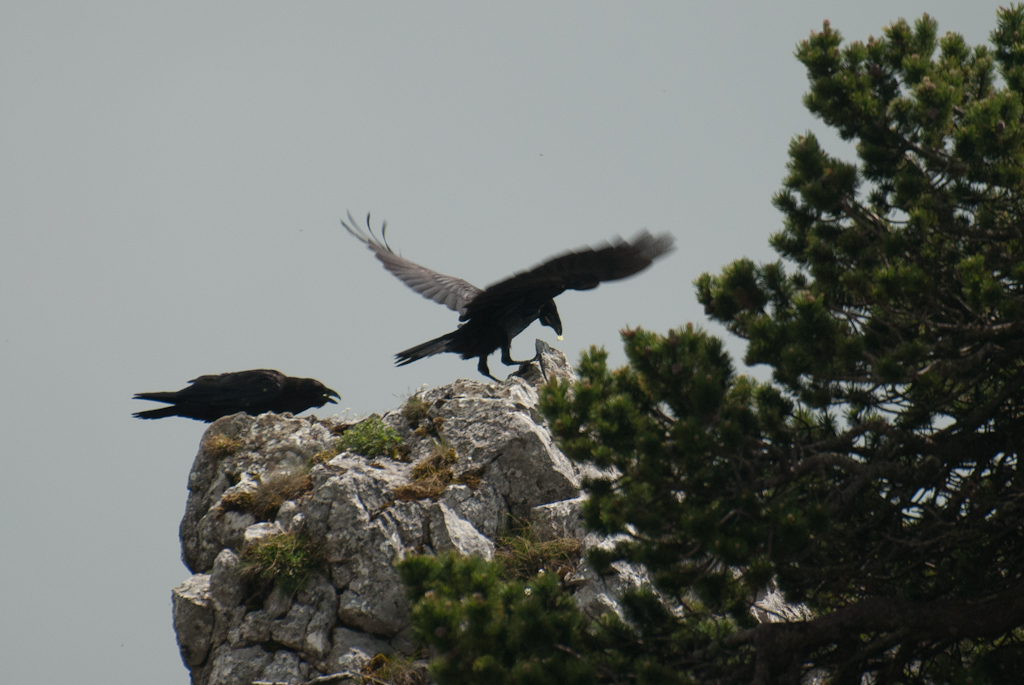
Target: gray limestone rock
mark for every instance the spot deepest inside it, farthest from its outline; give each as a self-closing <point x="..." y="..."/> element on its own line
<point x="237" y="666"/>
<point x="322" y="597"/>
<point x="193" y="618"/>
<point x="277" y="604"/>
<point x="218" y="530"/>
<point x="598" y="595"/>
<point x="258" y="532"/>
<point x="348" y="493"/>
<point x="559" y="520"/>
<point x="254" y="630"/>
<point x="409" y="522"/>
<point x="225" y="581"/>
<point x="481" y="506"/>
<point x="352" y="649"/>
<point x="290" y="518"/>
<point x="259" y="445"/>
<point x="290" y="630"/>
<point x="227" y="620"/>
<point x="374" y="597"/>
<point x="495" y="435"/>
<point x="449" y="532"/>
<point x="285" y="668"/>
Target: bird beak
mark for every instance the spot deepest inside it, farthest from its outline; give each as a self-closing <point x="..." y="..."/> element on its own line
<point x="330" y="394"/>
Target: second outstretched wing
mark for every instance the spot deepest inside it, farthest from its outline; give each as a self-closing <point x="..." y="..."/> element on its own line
<point x="581" y="269"/>
<point x="452" y="292"/>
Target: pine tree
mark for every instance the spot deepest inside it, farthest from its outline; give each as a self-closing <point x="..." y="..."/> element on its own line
<point x="875" y="479"/>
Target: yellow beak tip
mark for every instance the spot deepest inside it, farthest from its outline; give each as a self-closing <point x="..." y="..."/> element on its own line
<point x="559" y="337"/>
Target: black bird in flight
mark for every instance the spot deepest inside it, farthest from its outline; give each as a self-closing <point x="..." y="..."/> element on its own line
<point x="254" y="392"/>
<point x="494" y="316"/>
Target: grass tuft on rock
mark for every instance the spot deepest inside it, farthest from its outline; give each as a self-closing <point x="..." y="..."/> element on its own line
<point x="371" y="438"/>
<point x="324" y="456"/>
<point x="395" y="669"/>
<point x="286" y="561"/>
<point x="415" y="410"/>
<point x="273" y="491"/>
<point x="220" y="446"/>
<point x="433" y="474"/>
<point x="524" y="555"/>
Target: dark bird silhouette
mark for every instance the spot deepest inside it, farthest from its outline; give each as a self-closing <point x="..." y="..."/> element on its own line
<point x="493" y="317"/>
<point x="254" y="392"/>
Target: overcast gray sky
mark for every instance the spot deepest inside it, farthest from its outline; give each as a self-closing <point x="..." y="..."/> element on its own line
<point x="172" y="176"/>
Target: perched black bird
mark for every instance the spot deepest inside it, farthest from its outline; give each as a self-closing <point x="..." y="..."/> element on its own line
<point x="493" y="317"/>
<point x="208" y="398"/>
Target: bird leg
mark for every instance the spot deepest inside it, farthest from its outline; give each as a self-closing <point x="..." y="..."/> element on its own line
<point x="482" y="368"/>
<point x="506" y="356"/>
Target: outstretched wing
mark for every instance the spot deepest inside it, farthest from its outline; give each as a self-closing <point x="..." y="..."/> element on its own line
<point x="581" y="269"/>
<point x="452" y="292"/>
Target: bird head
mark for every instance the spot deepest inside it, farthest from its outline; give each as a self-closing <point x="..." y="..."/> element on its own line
<point x="549" y="317"/>
<point x="325" y="393"/>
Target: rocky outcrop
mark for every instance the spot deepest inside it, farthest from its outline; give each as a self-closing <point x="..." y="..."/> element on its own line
<point x="501" y="466"/>
<point x="360" y="514"/>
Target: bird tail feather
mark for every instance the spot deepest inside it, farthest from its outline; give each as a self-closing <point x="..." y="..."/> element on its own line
<point x="157" y="396"/>
<point x="156" y="413"/>
<point x="431" y="347"/>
